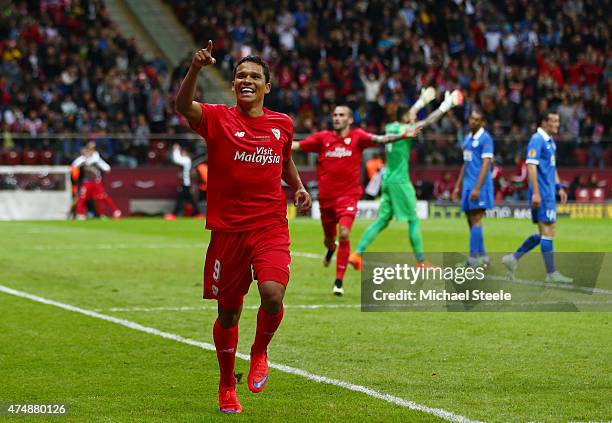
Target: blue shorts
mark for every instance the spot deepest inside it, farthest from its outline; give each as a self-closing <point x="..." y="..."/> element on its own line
<point x="485" y="201"/>
<point x="547" y="213"/>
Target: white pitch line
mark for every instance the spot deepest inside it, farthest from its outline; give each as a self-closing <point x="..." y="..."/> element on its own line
<point x="114" y="246"/>
<point x="393" y="307"/>
<point x="568" y="287"/>
<point x="308" y="255"/>
<point x="118" y="246"/>
<point x="438" y="412"/>
<point x="251" y="307"/>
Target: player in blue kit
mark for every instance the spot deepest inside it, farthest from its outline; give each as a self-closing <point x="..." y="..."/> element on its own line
<point x="544" y="184"/>
<point x="476" y="185"/>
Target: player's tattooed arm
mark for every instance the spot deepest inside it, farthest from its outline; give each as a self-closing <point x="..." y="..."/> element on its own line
<point x="411" y="132"/>
<point x="292" y="178"/>
<point x="433" y="117"/>
<point x="184" y="103"/>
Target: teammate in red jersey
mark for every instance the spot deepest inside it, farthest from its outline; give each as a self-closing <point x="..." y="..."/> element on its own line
<point x="338" y="175"/>
<point x="91" y="166"/>
<point x="249" y="152"/>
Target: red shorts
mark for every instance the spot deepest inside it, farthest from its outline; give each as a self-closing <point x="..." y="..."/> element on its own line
<point x="92" y="190"/>
<point x="234" y="259"/>
<point x="334" y="210"/>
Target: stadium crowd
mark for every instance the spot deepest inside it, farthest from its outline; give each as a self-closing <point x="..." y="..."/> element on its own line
<point x="514" y="59"/>
<point x="66" y="69"/>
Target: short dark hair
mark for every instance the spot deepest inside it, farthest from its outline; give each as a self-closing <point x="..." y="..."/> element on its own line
<point x="345" y="105"/>
<point x="400" y="112"/>
<point x="479" y="111"/>
<point x="255" y="59"/>
<point x="546" y="114"/>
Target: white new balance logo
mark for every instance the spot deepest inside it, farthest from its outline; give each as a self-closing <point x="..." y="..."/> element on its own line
<point x="239" y="134"/>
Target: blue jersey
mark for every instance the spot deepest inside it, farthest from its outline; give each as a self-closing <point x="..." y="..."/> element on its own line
<point x="541" y="152"/>
<point x="477" y="147"/>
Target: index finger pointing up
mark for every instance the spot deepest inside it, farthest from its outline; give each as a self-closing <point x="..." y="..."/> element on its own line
<point x="209" y="47"/>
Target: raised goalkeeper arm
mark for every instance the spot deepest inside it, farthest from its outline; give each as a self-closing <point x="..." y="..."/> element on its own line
<point x="451" y="100"/>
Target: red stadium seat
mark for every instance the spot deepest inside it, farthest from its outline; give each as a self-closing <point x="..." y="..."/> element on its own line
<point x="155" y="158"/>
<point x="13" y="158"/>
<point x="2" y="157"/>
<point x="582" y="195"/>
<point x="598" y="195"/>
<point x="582" y="156"/>
<point x="46" y="157"/>
<point x="608" y="156"/>
<point x="159" y="146"/>
<point x="31" y="157"/>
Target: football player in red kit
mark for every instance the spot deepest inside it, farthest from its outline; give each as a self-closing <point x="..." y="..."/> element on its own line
<point x="91" y="166"/>
<point x="249" y="152"/>
<point x="338" y="175"/>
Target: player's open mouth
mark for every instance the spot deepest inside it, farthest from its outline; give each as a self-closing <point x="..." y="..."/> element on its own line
<point x="247" y="90"/>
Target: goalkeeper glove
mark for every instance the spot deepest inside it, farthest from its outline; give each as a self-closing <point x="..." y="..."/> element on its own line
<point x="427" y="95"/>
<point x="451" y="100"/>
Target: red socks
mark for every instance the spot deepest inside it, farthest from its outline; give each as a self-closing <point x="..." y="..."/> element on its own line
<point x="344" y="251"/>
<point x="226" y="341"/>
<point x="266" y="326"/>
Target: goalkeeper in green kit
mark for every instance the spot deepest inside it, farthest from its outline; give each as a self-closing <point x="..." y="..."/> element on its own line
<point x="398" y="197"/>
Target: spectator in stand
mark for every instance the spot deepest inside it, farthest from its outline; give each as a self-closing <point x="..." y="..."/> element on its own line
<point x="571" y="191"/>
<point x="594" y="181"/>
<point x="579" y="182"/>
<point x="501" y="186"/>
<point x="156" y="109"/>
<point x="443" y="188"/>
<point x="596" y="151"/>
<point x="519" y="180"/>
<point x="141" y="137"/>
<point x="371" y="87"/>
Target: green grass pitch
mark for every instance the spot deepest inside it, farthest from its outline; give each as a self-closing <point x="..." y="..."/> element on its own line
<point x="494" y="367"/>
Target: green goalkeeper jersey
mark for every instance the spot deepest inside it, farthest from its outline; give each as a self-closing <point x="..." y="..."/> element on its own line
<point x="398" y="155"/>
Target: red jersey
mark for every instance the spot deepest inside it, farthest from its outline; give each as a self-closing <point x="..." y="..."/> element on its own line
<point x="339" y="167"/>
<point x="245" y="164"/>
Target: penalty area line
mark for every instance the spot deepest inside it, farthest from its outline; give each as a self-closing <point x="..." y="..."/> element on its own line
<point x="438" y="412"/>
